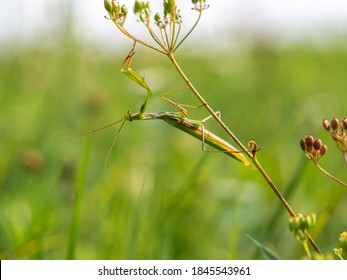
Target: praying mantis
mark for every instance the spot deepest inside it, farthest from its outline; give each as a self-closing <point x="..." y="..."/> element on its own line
<point x="178" y="120"/>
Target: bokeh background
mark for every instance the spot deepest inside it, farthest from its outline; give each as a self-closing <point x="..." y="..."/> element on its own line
<point x="275" y="69"/>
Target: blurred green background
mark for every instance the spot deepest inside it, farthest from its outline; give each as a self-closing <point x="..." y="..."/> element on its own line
<point x="158" y="196"/>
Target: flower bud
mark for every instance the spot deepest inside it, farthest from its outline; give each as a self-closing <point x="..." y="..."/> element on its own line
<point x="334" y="123"/>
<point x="148" y="14"/>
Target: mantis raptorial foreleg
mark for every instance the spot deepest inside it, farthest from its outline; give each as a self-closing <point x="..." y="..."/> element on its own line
<point x="137" y="78"/>
<point x="176" y="119"/>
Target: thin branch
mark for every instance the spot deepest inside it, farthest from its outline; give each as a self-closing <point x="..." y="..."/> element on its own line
<point x="190" y="31"/>
<point x="242" y="147"/>
<point x="328" y="174"/>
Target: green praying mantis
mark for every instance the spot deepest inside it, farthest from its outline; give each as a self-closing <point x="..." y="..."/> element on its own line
<point x="178" y="120"/>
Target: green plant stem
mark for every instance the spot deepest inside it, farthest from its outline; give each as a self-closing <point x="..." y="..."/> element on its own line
<point x="329" y="175"/>
<point x="126" y="33"/>
<point x="242" y="147"/>
<point x="190" y="31"/>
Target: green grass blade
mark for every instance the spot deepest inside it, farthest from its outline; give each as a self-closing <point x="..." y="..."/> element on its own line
<point x="268" y="254"/>
<point x="78" y="202"/>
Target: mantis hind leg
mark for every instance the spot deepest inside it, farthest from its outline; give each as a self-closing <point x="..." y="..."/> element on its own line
<point x="180" y="106"/>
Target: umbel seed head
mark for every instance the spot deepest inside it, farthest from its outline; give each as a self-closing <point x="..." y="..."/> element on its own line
<point x="313" y="148"/>
<point x="300" y="223"/>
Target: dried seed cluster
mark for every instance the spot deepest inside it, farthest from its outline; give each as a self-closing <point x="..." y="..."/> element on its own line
<point x="338" y="131"/>
<point x="313" y="148"/>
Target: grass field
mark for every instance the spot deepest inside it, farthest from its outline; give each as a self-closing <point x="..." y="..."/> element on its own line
<point x="159" y="196"/>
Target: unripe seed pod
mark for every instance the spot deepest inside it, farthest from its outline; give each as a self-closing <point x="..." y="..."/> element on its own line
<point x="303" y="145"/>
<point x="317" y="144"/>
<point x="334" y="123"/>
<point x="323" y="150"/>
<point x="295" y="223"/>
<point x="302" y="222"/>
<point x="142" y="18"/>
<point x="309" y="221"/>
<point x="309" y="141"/>
<point x="300" y="235"/>
<point x="148" y="14"/>
<point x="326" y="124"/>
<point x="171" y="4"/>
<point x="124" y="10"/>
<point x="115" y="7"/>
<point x="166" y="8"/>
<point x="290" y="226"/>
<point x="194" y="1"/>
<point x="137" y="7"/>
<point x="157" y="17"/>
<point x="108" y="6"/>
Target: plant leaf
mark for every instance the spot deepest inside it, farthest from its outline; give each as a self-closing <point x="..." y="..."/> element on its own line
<point x="268" y="253"/>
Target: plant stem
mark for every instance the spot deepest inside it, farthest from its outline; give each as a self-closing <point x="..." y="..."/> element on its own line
<point x="126" y="33"/>
<point x="237" y="141"/>
<point x="190" y="31"/>
<point x="329" y="175"/>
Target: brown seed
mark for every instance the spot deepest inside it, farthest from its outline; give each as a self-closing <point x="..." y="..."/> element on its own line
<point x="309" y="141"/>
<point x="334" y="123"/>
<point x="344" y="123"/>
<point x="323" y="150"/>
<point x="326" y="124"/>
<point x="303" y="145"/>
<point x="317" y="144"/>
